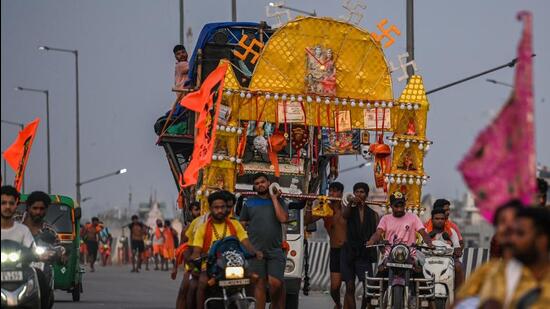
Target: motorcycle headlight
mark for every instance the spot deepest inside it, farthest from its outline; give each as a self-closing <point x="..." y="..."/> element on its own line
<point x="234" y="272"/>
<point x="289" y="266"/>
<point x="400" y="253"/>
<point x="4" y="257"/>
<point x="440" y="250"/>
<point x="39" y="250"/>
<point x="14" y="256"/>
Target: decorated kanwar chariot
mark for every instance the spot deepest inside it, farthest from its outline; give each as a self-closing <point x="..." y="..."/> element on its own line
<point x="289" y="102"/>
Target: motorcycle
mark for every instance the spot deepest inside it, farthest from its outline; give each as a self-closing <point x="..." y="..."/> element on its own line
<point x="439" y="264"/>
<point x="20" y="285"/>
<point x="226" y="269"/>
<point x="47" y="254"/>
<point x="394" y="285"/>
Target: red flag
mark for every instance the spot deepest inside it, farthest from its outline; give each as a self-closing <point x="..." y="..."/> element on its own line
<point x="206" y="102"/>
<point x="18" y="153"/>
<point x="501" y="165"/>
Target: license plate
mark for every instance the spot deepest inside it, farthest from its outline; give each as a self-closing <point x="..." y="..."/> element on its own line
<point x="38" y="265"/>
<point x="399" y="265"/>
<point x="224" y="283"/>
<point x="12" y="276"/>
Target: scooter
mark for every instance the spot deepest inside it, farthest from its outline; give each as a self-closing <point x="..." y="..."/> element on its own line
<point x="439" y="264"/>
<point x="20" y="285"/>
<point x="394" y="285"/>
<point x="226" y="269"/>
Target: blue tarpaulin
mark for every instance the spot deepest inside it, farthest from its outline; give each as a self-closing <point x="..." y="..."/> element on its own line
<point x="204" y="37"/>
<point x="206" y="34"/>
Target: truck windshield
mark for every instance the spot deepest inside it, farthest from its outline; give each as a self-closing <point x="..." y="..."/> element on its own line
<point x="293" y="226"/>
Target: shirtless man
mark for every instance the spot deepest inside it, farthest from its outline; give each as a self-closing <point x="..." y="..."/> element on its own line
<point x="137" y="235"/>
<point x="90" y="234"/>
<point x="336" y="228"/>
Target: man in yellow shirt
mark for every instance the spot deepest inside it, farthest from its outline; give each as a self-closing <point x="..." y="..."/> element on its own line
<point x="524" y="281"/>
<point x="217" y="227"/>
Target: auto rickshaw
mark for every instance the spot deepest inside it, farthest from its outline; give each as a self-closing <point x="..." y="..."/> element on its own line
<point x="64" y="215"/>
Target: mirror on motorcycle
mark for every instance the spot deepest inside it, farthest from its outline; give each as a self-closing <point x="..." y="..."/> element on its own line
<point x="78" y="213"/>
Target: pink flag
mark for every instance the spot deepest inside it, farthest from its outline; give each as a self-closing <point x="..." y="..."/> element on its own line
<point x="501" y="165"/>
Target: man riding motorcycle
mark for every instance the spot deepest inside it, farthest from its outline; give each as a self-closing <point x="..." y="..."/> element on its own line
<point x="11" y="229"/>
<point x="399" y="228"/>
<point x="37" y="206"/>
<point x="217" y="227"/>
<point x="16" y="236"/>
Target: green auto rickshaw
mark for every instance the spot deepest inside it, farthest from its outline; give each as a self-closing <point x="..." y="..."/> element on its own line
<point x="64" y="215"/>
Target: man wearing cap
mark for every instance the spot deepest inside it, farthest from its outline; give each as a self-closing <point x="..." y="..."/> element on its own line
<point x="400" y="226"/>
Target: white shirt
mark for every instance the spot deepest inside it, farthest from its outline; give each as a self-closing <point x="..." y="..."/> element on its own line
<point x="19" y="233"/>
<point x="454" y="238"/>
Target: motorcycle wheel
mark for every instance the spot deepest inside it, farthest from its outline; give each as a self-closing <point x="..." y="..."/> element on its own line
<point x="398" y="297"/>
<point x="238" y="302"/>
<point x="440" y="303"/>
<point x="76" y="293"/>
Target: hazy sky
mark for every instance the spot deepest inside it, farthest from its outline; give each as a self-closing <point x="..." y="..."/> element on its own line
<point x="126" y="72"/>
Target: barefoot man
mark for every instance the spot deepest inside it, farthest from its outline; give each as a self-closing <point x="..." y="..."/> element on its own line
<point x="336" y="228"/>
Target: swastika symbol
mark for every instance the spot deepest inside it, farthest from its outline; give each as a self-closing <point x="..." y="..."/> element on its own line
<point x="249" y="49"/>
<point x="278" y="14"/>
<point x="354" y="10"/>
<point x="386" y="33"/>
<point x="403" y="66"/>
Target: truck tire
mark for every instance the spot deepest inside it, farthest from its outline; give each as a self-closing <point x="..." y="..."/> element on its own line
<point x="398" y="297"/>
<point x="292" y="301"/>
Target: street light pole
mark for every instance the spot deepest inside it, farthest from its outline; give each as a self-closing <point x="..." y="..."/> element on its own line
<point x="233" y="10"/>
<point x="282" y="6"/>
<point x="182" y="28"/>
<point x="120" y="171"/>
<point x="21" y="126"/>
<point x="75" y="53"/>
<point x="47" y="93"/>
<point x="496" y="82"/>
<point x="410" y="36"/>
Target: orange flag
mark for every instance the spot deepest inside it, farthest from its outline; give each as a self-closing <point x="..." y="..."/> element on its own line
<point x="18" y="153"/>
<point x="206" y="102"/>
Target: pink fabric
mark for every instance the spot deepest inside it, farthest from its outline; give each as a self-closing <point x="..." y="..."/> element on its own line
<point x="501" y="164"/>
<point x="402" y="229"/>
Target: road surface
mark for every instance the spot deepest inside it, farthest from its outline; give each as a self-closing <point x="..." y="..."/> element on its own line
<point x="117" y="288"/>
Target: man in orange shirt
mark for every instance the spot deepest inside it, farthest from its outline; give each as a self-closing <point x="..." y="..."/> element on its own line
<point x="158" y="245"/>
<point x="90" y="234"/>
<point x="169" y="244"/>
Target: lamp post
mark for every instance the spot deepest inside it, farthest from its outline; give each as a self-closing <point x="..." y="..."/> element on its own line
<point x="496" y="82"/>
<point x="120" y="171"/>
<point x="47" y="93"/>
<point x="75" y="53"/>
<point x="283" y="6"/>
<point x="21" y="126"/>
